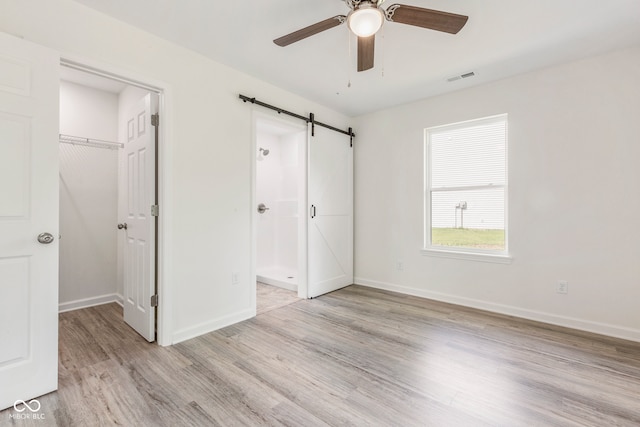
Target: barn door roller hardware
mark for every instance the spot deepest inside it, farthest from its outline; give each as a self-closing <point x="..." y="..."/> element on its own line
<point x="311" y="119"/>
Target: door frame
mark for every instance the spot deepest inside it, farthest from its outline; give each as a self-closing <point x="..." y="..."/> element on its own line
<point x="164" y="332"/>
<point x="302" y="200"/>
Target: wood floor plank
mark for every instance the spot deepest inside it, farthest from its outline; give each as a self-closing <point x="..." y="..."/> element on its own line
<point x="272" y="297"/>
<point x="357" y="356"/>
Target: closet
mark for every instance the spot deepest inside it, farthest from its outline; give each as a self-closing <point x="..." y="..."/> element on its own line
<point x="88" y="195"/>
<point x="97" y="173"/>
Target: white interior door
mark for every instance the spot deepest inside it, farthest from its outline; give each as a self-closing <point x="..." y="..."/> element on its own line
<point x="139" y="251"/>
<point x="330" y="227"/>
<point x="29" y="93"/>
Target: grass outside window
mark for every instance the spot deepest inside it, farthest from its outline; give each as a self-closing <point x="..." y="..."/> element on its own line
<point x="468" y="238"/>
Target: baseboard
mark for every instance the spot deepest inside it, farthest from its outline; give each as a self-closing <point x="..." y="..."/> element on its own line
<point x="539" y="316"/>
<point x="278" y="283"/>
<point x="120" y="300"/>
<point x="87" y="302"/>
<point x="212" y="325"/>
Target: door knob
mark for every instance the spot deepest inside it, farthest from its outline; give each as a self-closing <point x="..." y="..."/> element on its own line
<point x="45" y="238"/>
<point x="262" y="208"/>
<point x="121" y="226"/>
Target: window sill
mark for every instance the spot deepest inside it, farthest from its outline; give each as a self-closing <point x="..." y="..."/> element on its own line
<point x="469" y="256"/>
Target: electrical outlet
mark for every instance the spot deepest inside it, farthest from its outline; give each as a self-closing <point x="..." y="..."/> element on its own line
<point x="562" y="287"/>
<point x="399" y="265"/>
<point x="234" y="278"/>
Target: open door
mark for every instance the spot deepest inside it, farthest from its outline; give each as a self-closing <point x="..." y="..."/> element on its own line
<point x="29" y="92"/>
<point x="141" y="217"/>
<point x="330" y="228"/>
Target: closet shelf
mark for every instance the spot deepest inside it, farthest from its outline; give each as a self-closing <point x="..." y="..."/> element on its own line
<point x="89" y="142"/>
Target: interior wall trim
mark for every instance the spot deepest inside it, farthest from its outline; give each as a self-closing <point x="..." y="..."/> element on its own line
<point x="614" y="331"/>
<point x="99" y="72"/>
<point x="214" y="325"/>
<point x="89" y="302"/>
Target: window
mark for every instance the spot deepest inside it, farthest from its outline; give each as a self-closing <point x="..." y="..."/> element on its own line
<point x="466" y="187"/>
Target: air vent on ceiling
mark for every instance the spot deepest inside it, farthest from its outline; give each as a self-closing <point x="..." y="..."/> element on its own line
<point x="461" y="76"/>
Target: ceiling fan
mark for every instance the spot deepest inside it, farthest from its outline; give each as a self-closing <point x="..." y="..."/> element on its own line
<point x="366" y="18"/>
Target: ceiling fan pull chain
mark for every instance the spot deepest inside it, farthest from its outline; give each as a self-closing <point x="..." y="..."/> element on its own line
<point x="349" y="61"/>
<point x="382" y="48"/>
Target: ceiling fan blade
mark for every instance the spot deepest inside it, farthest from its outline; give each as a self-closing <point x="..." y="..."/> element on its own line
<point x="426" y="18"/>
<point x="366" y="47"/>
<point x="310" y="30"/>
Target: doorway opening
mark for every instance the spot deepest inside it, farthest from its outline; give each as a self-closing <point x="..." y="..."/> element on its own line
<point x="319" y="220"/>
<point x="280" y="200"/>
<point x="108" y="196"/>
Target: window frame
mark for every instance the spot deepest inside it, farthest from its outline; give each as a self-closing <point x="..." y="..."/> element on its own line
<point x="473" y="254"/>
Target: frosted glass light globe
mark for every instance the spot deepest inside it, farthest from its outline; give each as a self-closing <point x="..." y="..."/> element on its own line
<point x="365" y="21"/>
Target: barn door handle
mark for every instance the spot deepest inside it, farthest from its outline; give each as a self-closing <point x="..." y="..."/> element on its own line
<point x="313" y="211"/>
<point x="121" y="226"/>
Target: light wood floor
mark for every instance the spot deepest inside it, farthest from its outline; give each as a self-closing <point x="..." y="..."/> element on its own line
<point x="271" y="298"/>
<point x="358" y="357"/>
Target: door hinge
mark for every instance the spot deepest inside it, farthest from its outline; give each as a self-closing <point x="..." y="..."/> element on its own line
<point x="154" y="300"/>
<point x="155" y="119"/>
<point x="155" y="210"/>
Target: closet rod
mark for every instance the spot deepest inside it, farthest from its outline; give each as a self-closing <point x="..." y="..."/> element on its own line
<point x="311" y="119"/>
<point x="89" y="142"/>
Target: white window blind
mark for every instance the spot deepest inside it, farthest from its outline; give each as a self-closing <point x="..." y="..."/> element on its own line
<point x="466" y="185"/>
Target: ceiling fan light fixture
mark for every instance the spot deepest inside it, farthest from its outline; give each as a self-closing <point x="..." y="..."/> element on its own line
<point x="365" y="21"/>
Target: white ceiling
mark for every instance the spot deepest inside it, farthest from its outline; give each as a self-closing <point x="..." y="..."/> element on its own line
<point x="502" y="38"/>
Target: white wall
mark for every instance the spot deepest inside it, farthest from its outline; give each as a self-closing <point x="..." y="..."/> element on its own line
<point x="88" y="197"/>
<point x="208" y="163"/>
<point x="573" y="197"/>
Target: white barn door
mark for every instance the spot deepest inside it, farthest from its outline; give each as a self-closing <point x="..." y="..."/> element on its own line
<point x="139" y="252"/>
<point x="29" y="93"/>
<point x="330" y="195"/>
